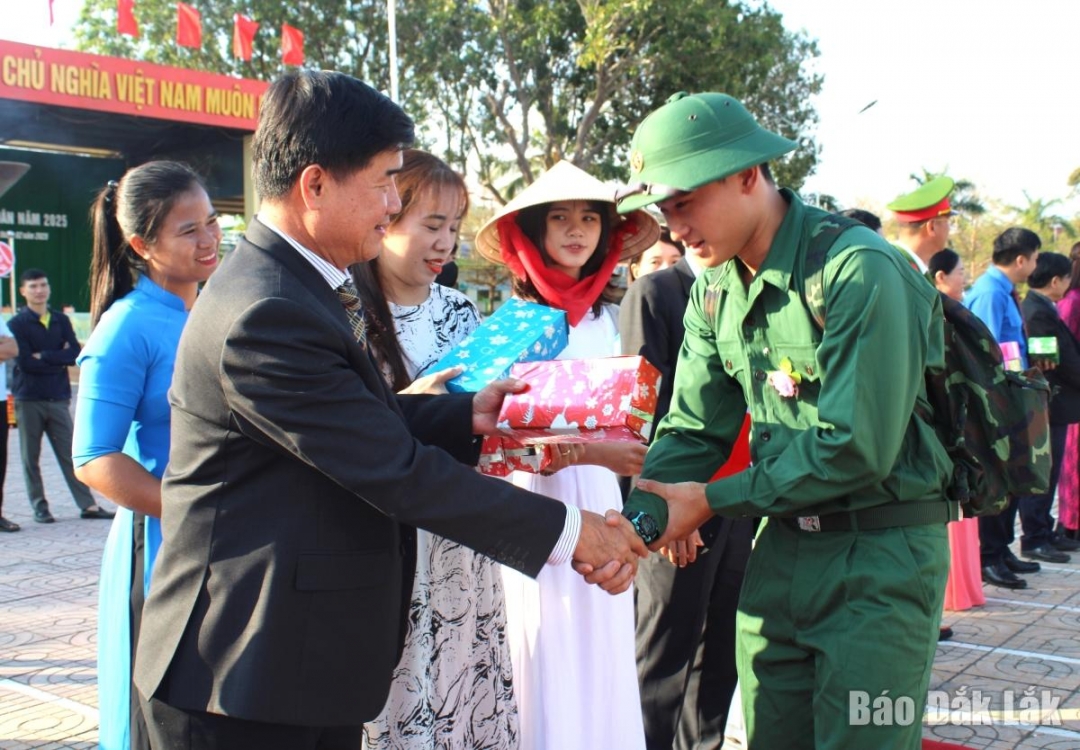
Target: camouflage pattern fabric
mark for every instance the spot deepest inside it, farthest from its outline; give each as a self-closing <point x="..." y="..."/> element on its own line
<point x="994" y="423"/>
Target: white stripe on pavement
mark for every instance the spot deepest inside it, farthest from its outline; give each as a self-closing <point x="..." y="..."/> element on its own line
<point x="40" y="695"/>
<point x="1010" y="652"/>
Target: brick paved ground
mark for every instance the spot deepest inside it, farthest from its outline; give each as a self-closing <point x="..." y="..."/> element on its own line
<point x="48" y="597"/>
<point x="48" y="611"/>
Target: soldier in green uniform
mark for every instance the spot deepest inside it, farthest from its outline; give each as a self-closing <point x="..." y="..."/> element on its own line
<point x="839" y="612"/>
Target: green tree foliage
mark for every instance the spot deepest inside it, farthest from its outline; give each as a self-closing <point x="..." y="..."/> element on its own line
<point x="1053" y="230"/>
<point x="348" y="35"/>
<point x="509" y="87"/>
<point x="535" y="82"/>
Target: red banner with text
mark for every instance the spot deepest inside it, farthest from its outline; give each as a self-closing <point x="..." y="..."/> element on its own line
<point x="113" y="84"/>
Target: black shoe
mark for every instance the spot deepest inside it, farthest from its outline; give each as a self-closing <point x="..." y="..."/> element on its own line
<point x="6" y="525"/>
<point x="946" y="633"/>
<point x="44" y="516"/>
<point x="1046" y="553"/>
<point x="1000" y="575"/>
<point x="1019" y="566"/>
<point x="1063" y="544"/>
<point x="96" y="512"/>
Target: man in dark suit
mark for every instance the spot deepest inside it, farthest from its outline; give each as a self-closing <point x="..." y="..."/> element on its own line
<point x="277" y="609"/>
<point x="1046" y="286"/>
<point x="685" y="613"/>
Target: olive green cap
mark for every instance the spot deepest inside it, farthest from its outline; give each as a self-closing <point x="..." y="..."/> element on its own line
<point x="929" y="200"/>
<point x="692" y="140"/>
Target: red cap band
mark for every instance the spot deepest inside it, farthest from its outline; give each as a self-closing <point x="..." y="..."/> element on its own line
<point x="942" y="208"/>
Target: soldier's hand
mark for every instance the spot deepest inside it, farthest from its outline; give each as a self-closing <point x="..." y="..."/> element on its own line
<point x="688" y="508"/>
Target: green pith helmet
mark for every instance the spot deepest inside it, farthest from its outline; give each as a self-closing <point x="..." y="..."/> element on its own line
<point x="692" y="140"/>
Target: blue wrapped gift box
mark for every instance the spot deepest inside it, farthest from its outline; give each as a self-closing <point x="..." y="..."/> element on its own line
<point x="517" y="332"/>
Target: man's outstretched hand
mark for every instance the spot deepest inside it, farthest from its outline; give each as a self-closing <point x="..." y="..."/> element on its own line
<point x="608" y="550"/>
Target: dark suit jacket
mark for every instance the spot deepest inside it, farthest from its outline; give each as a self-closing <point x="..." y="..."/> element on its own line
<point x="651" y="323"/>
<point x="280" y="590"/>
<point x="1041" y="318"/>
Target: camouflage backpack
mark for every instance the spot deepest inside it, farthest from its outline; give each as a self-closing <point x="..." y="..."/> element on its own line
<point x="993" y="422"/>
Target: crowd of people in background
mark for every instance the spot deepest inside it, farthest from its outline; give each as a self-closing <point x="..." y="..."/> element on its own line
<point x="303" y="556"/>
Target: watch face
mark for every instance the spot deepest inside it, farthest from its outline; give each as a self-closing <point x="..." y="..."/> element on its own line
<point x="644" y="524"/>
<point x="648" y="527"/>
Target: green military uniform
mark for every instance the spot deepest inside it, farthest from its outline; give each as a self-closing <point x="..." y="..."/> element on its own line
<point x="843" y="593"/>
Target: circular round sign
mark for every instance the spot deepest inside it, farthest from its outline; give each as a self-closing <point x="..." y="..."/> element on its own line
<point x="7" y="259"/>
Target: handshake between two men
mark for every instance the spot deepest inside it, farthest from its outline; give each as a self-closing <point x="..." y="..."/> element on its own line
<point x="608" y="547"/>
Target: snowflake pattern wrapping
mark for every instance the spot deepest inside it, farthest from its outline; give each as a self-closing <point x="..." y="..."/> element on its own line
<point x="582" y="400"/>
<point x="517" y="332"/>
<point x="499" y="456"/>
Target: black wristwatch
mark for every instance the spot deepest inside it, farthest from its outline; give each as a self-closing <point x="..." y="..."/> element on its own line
<point x="644" y="524"/>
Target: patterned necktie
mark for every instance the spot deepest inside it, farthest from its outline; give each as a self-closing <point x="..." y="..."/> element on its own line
<point x="351" y="300"/>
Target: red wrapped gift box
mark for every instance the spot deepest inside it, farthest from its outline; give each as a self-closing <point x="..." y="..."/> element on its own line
<point x="582" y="400"/>
<point x="500" y="456"/>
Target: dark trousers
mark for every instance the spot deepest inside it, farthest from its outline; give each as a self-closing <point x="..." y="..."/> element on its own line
<point x="1035" y="518"/>
<point x="53" y="420"/>
<point x="140" y="735"/>
<point x="686" y="639"/>
<point x="996" y="533"/>
<point x="4" y="429"/>
<point x="181" y="729"/>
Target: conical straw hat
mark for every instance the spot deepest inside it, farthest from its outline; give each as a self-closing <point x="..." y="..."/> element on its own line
<point x="565" y="182"/>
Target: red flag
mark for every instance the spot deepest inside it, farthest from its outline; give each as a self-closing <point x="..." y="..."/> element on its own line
<point x="188" y="26"/>
<point x="51" y="18"/>
<point x="125" y="18"/>
<point x="292" y="45"/>
<point x="243" y="36"/>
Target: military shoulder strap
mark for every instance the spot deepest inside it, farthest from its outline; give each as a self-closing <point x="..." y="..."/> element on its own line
<point x="822" y="239"/>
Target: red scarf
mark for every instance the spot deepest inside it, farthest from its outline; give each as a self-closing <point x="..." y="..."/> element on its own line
<point x="559" y="289"/>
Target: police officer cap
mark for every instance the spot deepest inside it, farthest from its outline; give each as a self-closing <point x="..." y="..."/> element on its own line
<point x="929" y="201"/>
<point x="692" y="140"/>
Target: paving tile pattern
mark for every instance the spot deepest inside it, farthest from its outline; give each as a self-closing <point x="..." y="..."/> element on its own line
<point x="48" y="617"/>
<point x="1020" y="640"/>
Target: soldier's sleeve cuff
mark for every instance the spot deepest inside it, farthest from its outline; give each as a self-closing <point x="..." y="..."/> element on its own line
<point x="652" y="504"/>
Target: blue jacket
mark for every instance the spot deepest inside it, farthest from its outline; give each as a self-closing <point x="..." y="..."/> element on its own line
<point x="44" y="379"/>
<point x="991" y="298"/>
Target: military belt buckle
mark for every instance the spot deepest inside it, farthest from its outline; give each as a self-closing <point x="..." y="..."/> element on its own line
<point x="809" y="523"/>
